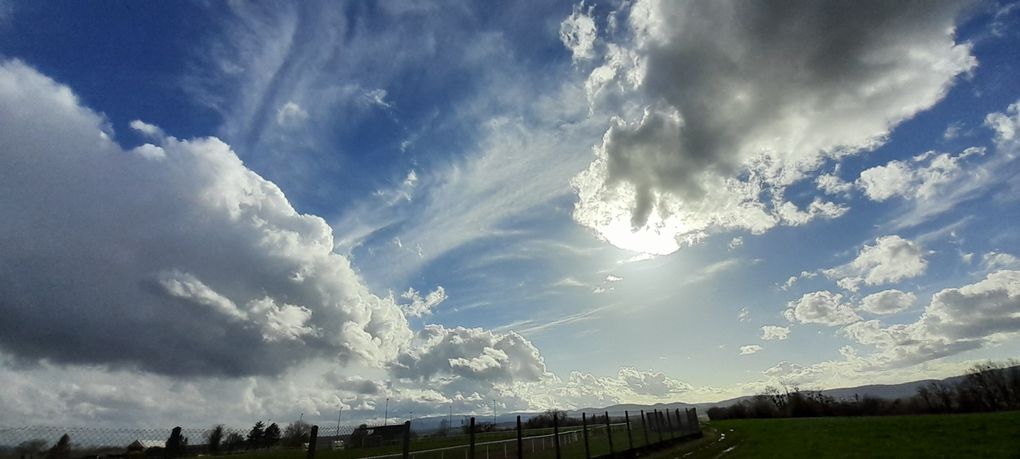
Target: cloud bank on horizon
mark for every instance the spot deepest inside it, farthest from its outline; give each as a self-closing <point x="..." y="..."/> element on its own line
<point x="306" y="226"/>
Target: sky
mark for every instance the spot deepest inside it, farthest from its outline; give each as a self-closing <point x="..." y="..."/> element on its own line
<point x="219" y="212"/>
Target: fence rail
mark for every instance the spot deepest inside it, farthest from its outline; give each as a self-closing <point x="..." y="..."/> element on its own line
<point x="599" y="435"/>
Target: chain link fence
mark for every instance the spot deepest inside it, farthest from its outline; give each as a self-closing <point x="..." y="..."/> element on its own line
<point x="548" y="436"/>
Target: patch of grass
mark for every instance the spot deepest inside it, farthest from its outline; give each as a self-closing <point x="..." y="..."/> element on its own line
<point x="985" y="435"/>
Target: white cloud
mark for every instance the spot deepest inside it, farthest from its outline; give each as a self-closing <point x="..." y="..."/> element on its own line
<point x="151" y="131"/>
<point x="832" y="184"/>
<point x="993" y="261"/>
<point x="191" y="252"/>
<point x="952" y="131"/>
<point x="956" y="320"/>
<point x="891" y="259"/>
<point x="744" y="315"/>
<point x="790" y="214"/>
<point x="750" y="349"/>
<point x="651" y="383"/>
<point x="470" y="353"/>
<point x="888" y="302"/>
<point x="578" y="33"/>
<point x="419" y="306"/>
<point x="612" y="278"/>
<point x="1006" y="125"/>
<point x="570" y="282"/>
<point x="976" y="311"/>
<point x="822" y="307"/>
<point x="291" y="113"/>
<point x="736" y="242"/>
<point x="188" y="287"/>
<point x="922" y="182"/>
<point x="773" y="332"/>
<point x="693" y="150"/>
<point x="883" y="182"/>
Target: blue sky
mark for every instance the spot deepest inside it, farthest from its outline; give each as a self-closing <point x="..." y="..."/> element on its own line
<point x="305" y="206"/>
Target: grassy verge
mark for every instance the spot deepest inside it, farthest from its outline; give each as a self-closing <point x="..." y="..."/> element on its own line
<point x="955" y="435"/>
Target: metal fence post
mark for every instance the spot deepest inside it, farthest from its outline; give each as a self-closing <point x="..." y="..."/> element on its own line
<point x="520" y="440"/>
<point x="313" y="439"/>
<point x="584" y="429"/>
<point x="644" y="426"/>
<point x="471" y="448"/>
<point x="406" y="449"/>
<point x="669" y="424"/>
<point x="658" y="424"/>
<point x="556" y="433"/>
<point x="609" y="432"/>
<point x="630" y="437"/>
<point x="680" y="423"/>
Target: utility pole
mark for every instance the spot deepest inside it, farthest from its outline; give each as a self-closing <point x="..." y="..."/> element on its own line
<point x="301" y="418"/>
<point x="386" y="414"/>
<point x="338" y="421"/>
<point x="493" y="414"/>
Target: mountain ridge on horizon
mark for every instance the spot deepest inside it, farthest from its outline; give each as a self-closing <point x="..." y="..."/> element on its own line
<point x="884" y="391"/>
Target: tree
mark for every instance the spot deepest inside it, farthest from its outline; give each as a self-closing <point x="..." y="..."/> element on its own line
<point x="61" y="450"/>
<point x="31" y="447"/>
<point x="296" y="434"/>
<point x="233" y="441"/>
<point x="176" y="443"/>
<point x="272" y="435"/>
<point x="257" y="434"/>
<point x="213" y="438"/>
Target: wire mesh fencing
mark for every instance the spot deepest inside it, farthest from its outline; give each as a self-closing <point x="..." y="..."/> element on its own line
<point x="555" y="436"/>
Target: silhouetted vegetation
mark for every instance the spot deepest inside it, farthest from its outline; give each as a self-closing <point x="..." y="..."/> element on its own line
<point x="986" y="387"/>
<point x="272" y="435"/>
<point x="176" y="445"/>
<point x="61" y="450"/>
<point x="296" y="434"/>
<point x="214" y="438"/>
<point x="257" y="435"/>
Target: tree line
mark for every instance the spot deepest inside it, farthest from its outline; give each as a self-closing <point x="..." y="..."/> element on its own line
<point x="989" y="386"/>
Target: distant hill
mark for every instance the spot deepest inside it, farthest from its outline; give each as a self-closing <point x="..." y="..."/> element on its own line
<point x="886" y="391"/>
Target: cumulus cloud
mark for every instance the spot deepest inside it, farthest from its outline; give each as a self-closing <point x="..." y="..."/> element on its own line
<point x="888" y="302"/>
<point x="955" y="320"/>
<point x="750" y="349"/>
<point x="469" y="353"/>
<point x="890" y="259"/>
<point x="148" y="130"/>
<point x="737" y="101"/>
<point x="584" y="390"/>
<point x="736" y="242"/>
<point x="822" y="307"/>
<point x="189" y="264"/>
<point x="1006" y="125"/>
<point x="773" y="332"/>
<point x="927" y="177"/>
<point x="578" y="32"/>
<point x="651" y="383"/>
<point x="832" y="184"/>
<point x="419" y="306"/>
<point x="744" y="315"/>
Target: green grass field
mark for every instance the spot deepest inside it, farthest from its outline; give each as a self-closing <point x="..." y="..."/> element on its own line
<point x="990" y="435"/>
